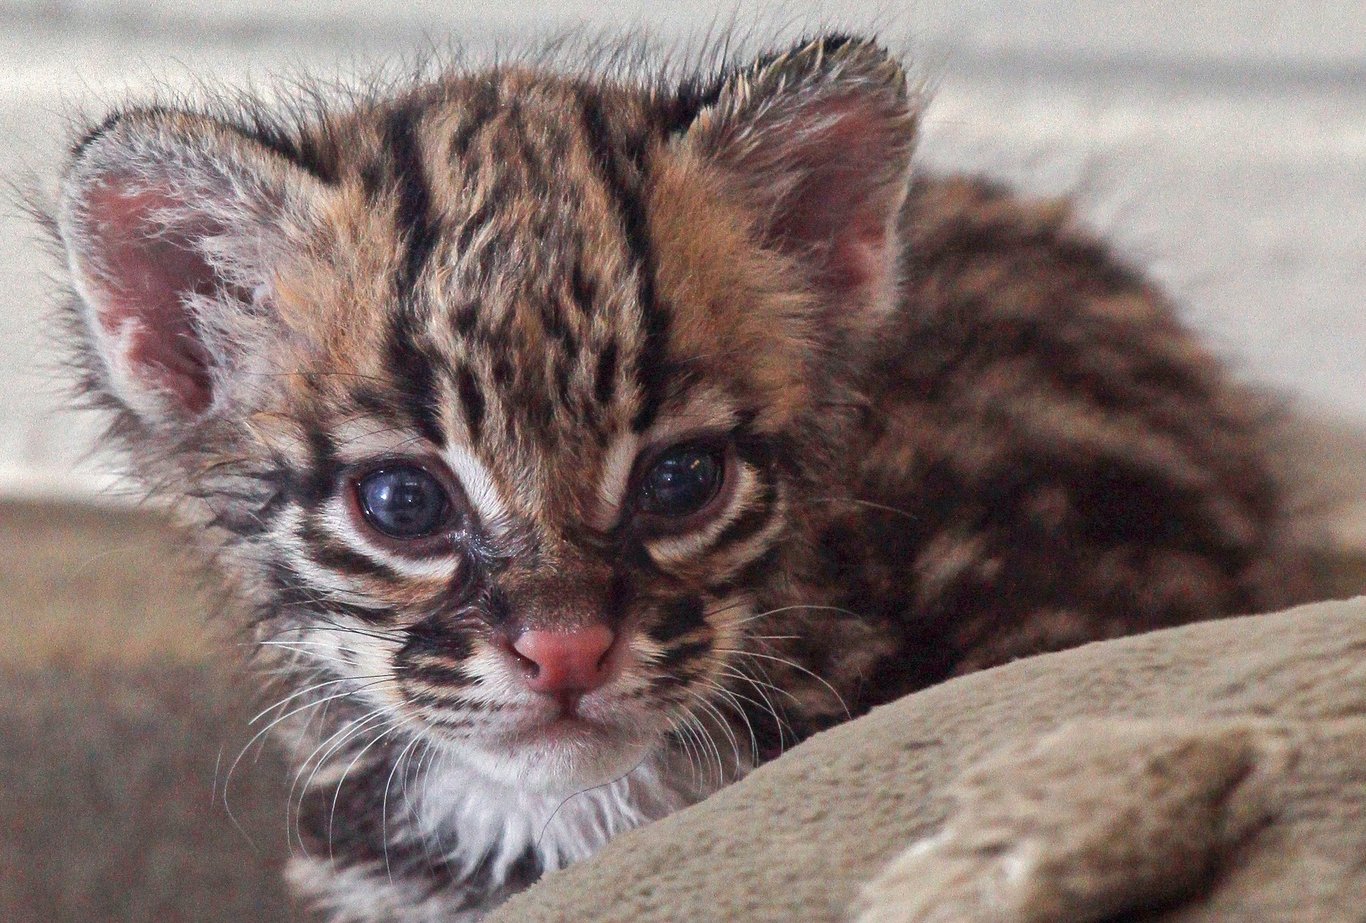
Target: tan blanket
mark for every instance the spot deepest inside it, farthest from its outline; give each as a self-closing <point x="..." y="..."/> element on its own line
<point x="1212" y="772"/>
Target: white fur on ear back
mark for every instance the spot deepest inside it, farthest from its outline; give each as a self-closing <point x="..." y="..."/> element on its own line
<point x="171" y="224"/>
<point x="819" y="140"/>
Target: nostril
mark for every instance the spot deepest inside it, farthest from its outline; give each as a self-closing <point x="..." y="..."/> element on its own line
<point x="531" y="667"/>
<point x="557" y="661"/>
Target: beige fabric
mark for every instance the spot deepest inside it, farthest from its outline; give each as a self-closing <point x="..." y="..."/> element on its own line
<point x="1212" y="772"/>
<point x="1103" y="818"/>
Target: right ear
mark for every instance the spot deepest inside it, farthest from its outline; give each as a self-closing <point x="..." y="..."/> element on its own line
<point x="173" y="225"/>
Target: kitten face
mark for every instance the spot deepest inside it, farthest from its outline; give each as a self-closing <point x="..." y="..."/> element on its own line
<point x="500" y="389"/>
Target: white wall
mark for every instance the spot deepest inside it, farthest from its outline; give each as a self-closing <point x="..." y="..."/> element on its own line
<point x="1222" y="144"/>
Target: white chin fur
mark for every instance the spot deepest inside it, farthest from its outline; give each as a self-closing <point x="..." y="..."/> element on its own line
<point x="559" y="766"/>
<point x="491" y="812"/>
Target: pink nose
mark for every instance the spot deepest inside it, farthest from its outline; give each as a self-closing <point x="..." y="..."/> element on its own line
<point x="567" y="661"/>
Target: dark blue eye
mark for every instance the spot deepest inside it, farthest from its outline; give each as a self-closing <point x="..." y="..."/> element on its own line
<point x="682" y="481"/>
<point x="403" y="501"/>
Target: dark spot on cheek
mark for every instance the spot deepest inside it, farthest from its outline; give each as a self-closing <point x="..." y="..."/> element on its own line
<point x="437" y="674"/>
<point x="677" y="618"/>
<point x="683" y="654"/>
<point x="436" y="637"/>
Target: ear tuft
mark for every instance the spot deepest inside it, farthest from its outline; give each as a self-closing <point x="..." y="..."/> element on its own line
<point x="171" y="223"/>
<point x="819" y="140"/>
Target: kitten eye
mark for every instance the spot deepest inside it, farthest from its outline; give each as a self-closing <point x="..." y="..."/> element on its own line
<point x="682" y="481"/>
<point x="403" y="501"/>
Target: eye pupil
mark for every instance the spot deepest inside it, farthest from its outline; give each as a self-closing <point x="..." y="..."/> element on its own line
<point x="403" y="501"/>
<point x="682" y="481"/>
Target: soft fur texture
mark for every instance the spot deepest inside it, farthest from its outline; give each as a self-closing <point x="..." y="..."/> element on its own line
<point x="931" y="427"/>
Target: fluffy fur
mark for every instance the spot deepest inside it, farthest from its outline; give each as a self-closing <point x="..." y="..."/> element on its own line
<point x="953" y="430"/>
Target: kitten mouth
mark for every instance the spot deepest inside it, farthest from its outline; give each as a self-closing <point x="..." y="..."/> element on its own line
<point x="568" y="721"/>
<point x="569" y="727"/>
<point x="581" y="741"/>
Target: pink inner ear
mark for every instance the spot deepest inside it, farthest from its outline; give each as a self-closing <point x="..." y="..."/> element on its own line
<point x="143" y="273"/>
<point x="840" y="210"/>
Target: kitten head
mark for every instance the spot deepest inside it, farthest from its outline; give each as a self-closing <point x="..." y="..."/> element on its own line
<point x="509" y="395"/>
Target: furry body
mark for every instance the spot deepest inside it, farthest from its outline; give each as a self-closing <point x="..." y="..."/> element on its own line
<point x="951" y="428"/>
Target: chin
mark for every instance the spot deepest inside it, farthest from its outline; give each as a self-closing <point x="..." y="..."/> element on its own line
<point x="561" y="758"/>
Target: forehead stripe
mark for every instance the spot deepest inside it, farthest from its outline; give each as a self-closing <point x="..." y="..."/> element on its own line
<point x="482" y="108"/>
<point x="605" y="377"/>
<point x="621" y="167"/>
<point x="414" y="375"/>
<point x="472" y="399"/>
<point x="413" y="216"/>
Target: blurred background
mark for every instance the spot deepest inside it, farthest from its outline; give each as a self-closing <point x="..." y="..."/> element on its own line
<point x="1221" y="144"/>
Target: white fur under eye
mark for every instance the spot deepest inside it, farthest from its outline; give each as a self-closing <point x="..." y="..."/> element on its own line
<point x="324" y="582"/>
<point x="338" y="521"/>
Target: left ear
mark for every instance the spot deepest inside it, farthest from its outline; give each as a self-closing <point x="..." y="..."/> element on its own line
<point x="819" y="141"/>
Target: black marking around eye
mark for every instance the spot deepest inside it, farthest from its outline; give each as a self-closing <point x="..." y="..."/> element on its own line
<point x="621" y="167"/>
<point x="754" y="519"/>
<point x="328" y="552"/>
<point x="293" y="591"/>
<point x="321" y="479"/>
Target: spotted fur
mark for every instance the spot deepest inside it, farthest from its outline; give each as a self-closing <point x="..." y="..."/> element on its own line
<point x="958" y="431"/>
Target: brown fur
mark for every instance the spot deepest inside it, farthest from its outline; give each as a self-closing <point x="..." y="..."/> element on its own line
<point x="958" y="429"/>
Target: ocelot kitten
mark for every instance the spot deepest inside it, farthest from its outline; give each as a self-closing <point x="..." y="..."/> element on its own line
<point x="581" y="442"/>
